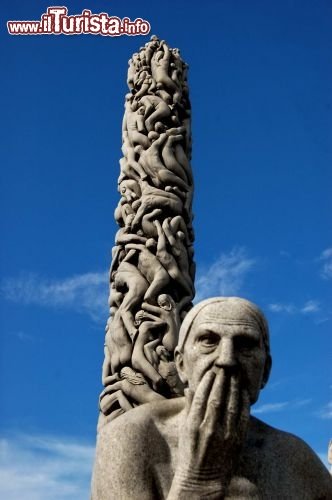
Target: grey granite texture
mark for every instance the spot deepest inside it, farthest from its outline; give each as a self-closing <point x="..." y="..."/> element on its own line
<point x="188" y="375"/>
<point x="206" y="444"/>
<point x="152" y="271"/>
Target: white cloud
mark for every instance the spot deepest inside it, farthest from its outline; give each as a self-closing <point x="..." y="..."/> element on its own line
<point x="326" y="258"/>
<point x="278" y="307"/>
<point x="84" y="293"/>
<point x="88" y="292"/>
<point x="270" y="407"/>
<point x="225" y="276"/>
<point x="326" y="412"/>
<point x="44" y="468"/>
<point x="302" y="402"/>
<point x="274" y="385"/>
<point x="311" y="306"/>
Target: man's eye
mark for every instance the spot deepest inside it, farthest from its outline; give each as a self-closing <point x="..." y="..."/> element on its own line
<point x="209" y="339"/>
<point x="245" y="343"/>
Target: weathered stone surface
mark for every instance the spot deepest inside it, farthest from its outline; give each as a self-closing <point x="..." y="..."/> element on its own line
<point x="152" y="271"/>
<point x="194" y="437"/>
<point x="206" y="444"/>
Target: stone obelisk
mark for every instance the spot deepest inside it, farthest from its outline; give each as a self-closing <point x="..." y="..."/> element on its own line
<point x="152" y="270"/>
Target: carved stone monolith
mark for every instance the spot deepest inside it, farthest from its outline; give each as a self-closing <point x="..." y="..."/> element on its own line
<point x="205" y="444"/>
<point x="152" y="270"/>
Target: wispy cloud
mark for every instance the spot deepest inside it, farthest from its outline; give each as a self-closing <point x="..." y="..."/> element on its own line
<point x="273" y="407"/>
<point x="301" y="402"/>
<point x="44" y="468"/>
<point x="88" y="292"/>
<point x="309" y="307"/>
<point x="22" y="336"/>
<point x="326" y="412"/>
<point x="276" y="384"/>
<point x="270" y="407"/>
<point x="326" y="259"/>
<point x="225" y="276"/>
<point x="282" y="308"/>
<point x="84" y="293"/>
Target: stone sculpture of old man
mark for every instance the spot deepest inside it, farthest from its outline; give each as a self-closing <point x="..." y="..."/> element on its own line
<point x="206" y="444"/>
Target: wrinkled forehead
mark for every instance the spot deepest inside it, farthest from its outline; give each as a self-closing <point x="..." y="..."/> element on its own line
<point x="223" y="311"/>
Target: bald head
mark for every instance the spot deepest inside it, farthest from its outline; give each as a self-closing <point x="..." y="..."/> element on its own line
<point x="228" y="311"/>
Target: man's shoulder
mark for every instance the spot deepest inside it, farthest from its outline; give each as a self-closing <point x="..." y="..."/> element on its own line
<point x="135" y="424"/>
<point x="281" y="441"/>
<point x="293" y="458"/>
<point x="127" y="448"/>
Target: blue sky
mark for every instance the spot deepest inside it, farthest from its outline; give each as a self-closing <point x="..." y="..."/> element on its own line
<point x="260" y="90"/>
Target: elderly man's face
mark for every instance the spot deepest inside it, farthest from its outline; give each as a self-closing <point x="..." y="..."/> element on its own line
<point x="215" y="344"/>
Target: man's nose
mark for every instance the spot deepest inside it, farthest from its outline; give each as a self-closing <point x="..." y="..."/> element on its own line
<point x="226" y="357"/>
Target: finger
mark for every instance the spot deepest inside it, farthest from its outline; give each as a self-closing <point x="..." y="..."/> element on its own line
<point x="117" y="397"/>
<point x="123" y="401"/>
<point x="244" y="413"/>
<point x="232" y="409"/>
<point x="110" y="389"/>
<point x="111" y="378"/>
<point x="216" y="400"/>
<point x="219" y="389"/>
<point x="114" y="414"/>
<point x="104" y="406"/>
<point x="107" y="402"/>
<point x="200" y="399"/>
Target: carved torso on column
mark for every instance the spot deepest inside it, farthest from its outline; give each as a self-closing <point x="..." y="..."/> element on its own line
<point x="152" y="270"/>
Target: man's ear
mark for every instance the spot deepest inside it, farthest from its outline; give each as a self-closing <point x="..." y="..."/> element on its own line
<point x="267" y="370"/>
<point x="178" y="357"/>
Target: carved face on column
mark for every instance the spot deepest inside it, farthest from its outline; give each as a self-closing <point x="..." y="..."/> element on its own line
<point x="166" y="302"/>
<point x="129" y="189"/>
